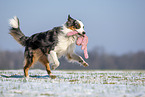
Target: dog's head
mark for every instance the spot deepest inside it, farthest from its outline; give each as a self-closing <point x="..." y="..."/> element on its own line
<point x="75" y="25"/>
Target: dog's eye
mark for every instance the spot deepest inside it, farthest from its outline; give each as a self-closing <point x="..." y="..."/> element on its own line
<point x="76" y="24"/>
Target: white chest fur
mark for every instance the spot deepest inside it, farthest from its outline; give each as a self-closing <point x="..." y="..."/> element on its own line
<point x="65" y="45"/>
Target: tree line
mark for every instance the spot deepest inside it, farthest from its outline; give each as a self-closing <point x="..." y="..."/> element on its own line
<point x="98" y="59"/>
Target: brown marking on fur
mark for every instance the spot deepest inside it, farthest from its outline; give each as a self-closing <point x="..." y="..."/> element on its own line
<point x="26" y="67"/>
<point x="43" y="59"/>
<point x="71" y="27"/>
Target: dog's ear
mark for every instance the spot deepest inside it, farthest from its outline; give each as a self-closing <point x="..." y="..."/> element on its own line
<point x="69" y="18"/>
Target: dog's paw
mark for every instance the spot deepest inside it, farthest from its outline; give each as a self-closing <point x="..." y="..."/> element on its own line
<point x="52" y="76"/>
<point x="85" y="64"/>
<point x="26" y="76"/>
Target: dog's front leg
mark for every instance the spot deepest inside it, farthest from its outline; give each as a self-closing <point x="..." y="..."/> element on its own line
<point x="54" y="60"/>
<point x="77" y="58"/>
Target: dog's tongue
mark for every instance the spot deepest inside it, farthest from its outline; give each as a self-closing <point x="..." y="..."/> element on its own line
<point x="81" y="40"/>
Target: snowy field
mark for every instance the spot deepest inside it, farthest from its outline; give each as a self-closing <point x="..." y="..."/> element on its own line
<point x="96" y="83"/>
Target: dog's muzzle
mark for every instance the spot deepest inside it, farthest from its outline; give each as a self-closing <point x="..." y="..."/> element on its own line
<point x="83" y="33"/>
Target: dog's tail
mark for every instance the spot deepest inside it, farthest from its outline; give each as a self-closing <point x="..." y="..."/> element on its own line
<point x="16" y="32"/>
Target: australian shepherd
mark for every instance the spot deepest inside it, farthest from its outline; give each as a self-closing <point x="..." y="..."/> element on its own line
<point x="46" y="47"/>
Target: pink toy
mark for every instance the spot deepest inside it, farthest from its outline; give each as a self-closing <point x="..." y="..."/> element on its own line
<point x="72" y="33"/>
<point x="81" y="40"/>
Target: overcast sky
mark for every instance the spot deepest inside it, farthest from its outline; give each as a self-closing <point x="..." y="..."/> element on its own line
<point x="116" y="25"/>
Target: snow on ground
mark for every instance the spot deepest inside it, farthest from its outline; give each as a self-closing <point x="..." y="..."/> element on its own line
<point x="95" y="83"/>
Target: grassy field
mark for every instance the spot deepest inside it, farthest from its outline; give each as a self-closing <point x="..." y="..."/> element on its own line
<point x="95" y="83"/>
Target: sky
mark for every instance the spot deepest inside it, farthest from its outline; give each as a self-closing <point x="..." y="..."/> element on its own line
<point x="116" y="25"/>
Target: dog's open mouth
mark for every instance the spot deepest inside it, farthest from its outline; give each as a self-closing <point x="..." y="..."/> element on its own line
<point x="82" y="40"/>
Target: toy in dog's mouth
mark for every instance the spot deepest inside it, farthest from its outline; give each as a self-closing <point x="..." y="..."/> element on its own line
<point x="81" y="40"/>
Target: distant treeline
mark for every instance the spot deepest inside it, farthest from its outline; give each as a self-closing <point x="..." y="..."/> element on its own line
<point x="98" y="59"/>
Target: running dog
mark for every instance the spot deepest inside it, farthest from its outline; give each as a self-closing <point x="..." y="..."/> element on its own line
<point x="46" y="47"/>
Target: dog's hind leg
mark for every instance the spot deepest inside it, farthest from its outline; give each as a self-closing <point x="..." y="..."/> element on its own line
<point x="43" y="59"/>
<point x="26" y="67"/>
<point x="31" y="56"/>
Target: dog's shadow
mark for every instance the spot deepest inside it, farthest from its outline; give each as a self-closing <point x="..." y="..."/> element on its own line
<point x="22" y="76"/>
